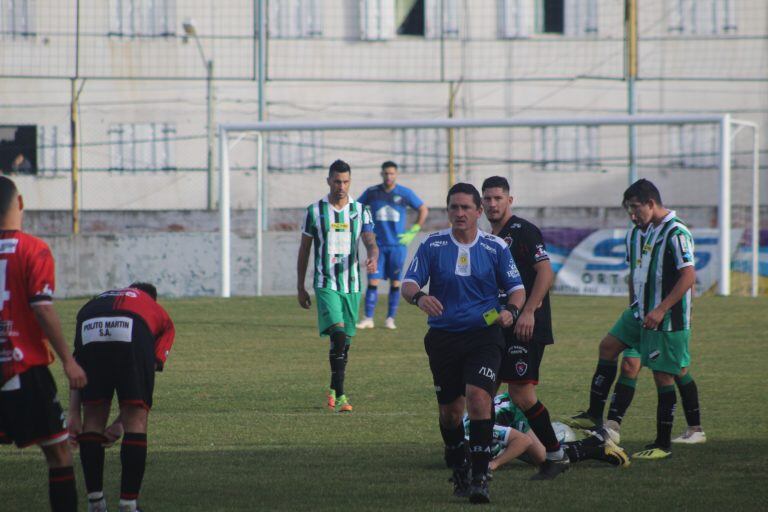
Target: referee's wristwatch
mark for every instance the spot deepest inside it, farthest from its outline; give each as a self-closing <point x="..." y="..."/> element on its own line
<point x="514" y="310"/>
<point x="416" y="297"/>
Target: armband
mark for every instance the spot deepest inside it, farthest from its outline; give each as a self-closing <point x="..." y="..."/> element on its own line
<point x="416" y="297"/>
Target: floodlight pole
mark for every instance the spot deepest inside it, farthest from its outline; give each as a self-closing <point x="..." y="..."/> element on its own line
<point x="630" y="31"/>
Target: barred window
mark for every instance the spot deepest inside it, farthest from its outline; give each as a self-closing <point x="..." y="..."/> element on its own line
<point x="154" y="18"/>
<point x="142" y="147"/>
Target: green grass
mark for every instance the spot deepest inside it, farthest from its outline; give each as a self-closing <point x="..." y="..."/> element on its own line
<point x="239" y="422"/>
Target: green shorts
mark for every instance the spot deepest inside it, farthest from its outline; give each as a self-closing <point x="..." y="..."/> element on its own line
<point x="336" y="308"/>
<point x="665" y="351"/>
<point x="627" y="330"/>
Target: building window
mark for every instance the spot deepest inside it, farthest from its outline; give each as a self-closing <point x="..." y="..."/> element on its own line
<point x="432" y="19"/>
<point x="148" y="18"/>
<point x="566" y="148"/>
<point x="295" y="19"/>
<point x="693" y="146"/>
<point x="516" y="18"/>
<point x="566" y="17"/>
<point x="702" y="17"/>
<point x="421" y="151"/>
<point x="377" y="20"/>
<point x="295" y="151"/>
<point x="145" y="147"/>
<point x="17" y="17"/>
<point x="53" y="148"/>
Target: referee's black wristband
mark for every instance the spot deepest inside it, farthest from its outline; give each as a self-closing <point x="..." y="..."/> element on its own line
<point x="514" y="310"/>
<point x="416" y="297"/>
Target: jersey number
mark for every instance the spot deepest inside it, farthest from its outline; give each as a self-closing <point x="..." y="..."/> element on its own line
<point x="4" y="294"/>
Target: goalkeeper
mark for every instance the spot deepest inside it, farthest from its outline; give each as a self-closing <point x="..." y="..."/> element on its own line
<point x="389" y="204"/>
<point x="514" y="439"/>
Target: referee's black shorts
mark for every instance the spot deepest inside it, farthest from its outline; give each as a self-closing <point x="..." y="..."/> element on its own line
<point x="124" y="368"/>
<point x="460" y="358"/>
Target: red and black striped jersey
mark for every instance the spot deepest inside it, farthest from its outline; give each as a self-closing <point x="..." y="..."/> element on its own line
<point x="27" y="278"/>
<point x="136" y="304"/>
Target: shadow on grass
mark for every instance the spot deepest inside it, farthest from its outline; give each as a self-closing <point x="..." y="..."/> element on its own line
<point x="405" y="476"/>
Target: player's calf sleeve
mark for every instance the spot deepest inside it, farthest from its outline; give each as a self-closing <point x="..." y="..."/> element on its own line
<point x="92" y="459"/>
<point x="538" y="419"/>
<point x="394" y="301"/>
<point x="336" y="357"/>
<point x="665" y="415"/>
<point x="62" y="491"/>
<point x="602" y="381"/>
<point x="371" y="296"/>
<point x="689" y="395"/>
<point x="133" y="458"/>
<point x="455" y="452"/>
<point x="480" y="439"/>
<point x="623" y="393"/>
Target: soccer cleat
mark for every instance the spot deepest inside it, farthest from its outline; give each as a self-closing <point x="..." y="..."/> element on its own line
<point x="691" y="436"/>
<point x="343" y="405"/>
<point x="653" y="452"/>
<point x="550" y="469"/>
<point x="460" y="480"/>
<point x="97" y="505"/>
<point x="615" y="455"/>
<point x="613" y="429"/>
<point x="478" y="490"/>
<point x="583" y="421"/>
<point x="365" y="323"/>
<point x="389" y="323"/>
<point x="332" y="399"/>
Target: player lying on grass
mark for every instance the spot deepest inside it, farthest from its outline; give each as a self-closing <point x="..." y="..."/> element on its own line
<point x="513" y="438"/>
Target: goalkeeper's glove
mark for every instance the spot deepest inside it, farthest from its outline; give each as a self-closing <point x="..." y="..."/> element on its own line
<point x="407" y="237"/>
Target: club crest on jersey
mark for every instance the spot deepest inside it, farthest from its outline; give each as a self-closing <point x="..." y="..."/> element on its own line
<point x="521" y="367"/>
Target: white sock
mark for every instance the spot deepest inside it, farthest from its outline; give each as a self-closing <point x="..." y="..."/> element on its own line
<point x="128" y="505"/>
<point x="95" y="496"/>
<point x="559" y="454"/>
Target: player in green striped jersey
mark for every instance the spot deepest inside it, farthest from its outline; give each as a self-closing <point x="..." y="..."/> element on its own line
<point x="335" y="224"/>
<point x="655" y="329"/>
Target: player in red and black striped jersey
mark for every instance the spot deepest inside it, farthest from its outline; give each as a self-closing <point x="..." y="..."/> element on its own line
<point x="122" y="338"/>
<point x="30" y="412"/>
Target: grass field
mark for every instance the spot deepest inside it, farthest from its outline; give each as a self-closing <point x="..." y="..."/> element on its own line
<point x="239" y="422"/>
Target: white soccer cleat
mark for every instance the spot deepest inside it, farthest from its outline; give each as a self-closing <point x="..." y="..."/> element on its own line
<point x="613" y="429"/>
<point x="97" y="505"/>
<point x="389" y="323"/>
<point x="691" y="436"/>
<point x="365" y="323"/>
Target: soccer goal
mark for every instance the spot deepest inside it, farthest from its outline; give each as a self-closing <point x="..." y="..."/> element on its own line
<point x="566" y="174"/>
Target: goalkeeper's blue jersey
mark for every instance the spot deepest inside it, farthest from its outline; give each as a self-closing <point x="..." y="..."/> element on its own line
<point x="465" y="278"/>
<point x="389" y="211"/>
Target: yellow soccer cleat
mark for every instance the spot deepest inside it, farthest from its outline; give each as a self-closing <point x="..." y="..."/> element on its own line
<point x="615" y="455"/>
<point x="652" y="452"/>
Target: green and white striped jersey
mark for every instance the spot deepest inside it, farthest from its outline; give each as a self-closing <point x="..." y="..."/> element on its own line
<point x="655" y="258"/>
<point x="336" y="234"/>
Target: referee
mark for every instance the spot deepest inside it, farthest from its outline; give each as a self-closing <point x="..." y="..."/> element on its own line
<point x="465" y="269"/>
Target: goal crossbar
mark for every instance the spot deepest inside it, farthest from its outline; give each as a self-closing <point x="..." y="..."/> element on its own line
<point x="724" y="121"/>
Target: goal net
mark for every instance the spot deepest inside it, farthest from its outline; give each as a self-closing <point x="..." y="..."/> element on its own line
<point x="567" y="175"/>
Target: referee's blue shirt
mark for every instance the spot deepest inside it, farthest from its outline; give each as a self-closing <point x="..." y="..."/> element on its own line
<point x="389" y="211"/>
<point x="465" y="278"/>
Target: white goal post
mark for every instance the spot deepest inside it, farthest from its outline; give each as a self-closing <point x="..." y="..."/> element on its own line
<point x="727" y="129"/>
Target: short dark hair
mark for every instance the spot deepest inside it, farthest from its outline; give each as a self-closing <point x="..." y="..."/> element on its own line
<point x="339" y="166"/>
<point x="496" y="182"/>
<point x="148" y="288"/>
<point x="388" y="163"/>
<point x="464" y="188"/>
<point x="642" y="190"/>
<point x="7" y="192"/>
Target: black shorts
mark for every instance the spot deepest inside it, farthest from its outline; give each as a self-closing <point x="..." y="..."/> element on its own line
<point x="460" y="358"/>
<point x="32" y="414"/>
<point x="127" y="368"/>
<point x="521" y="361"/>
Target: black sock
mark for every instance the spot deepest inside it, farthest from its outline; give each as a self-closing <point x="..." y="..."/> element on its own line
<point x="689" y="394"/>
<point x="133" y="457"/>
<point x="455" y="451"/>
<point x="336" y="358"/>
<point x="665" y="415"/>
<point x="623" y="393"/>
<point x="480" y="439"/>
<point x="601" y="386"/>
<point x="538" y="419"/>
<point x="61" y="489"/>
<point x="589" y="448"/>
<point x="92" y="459"/>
